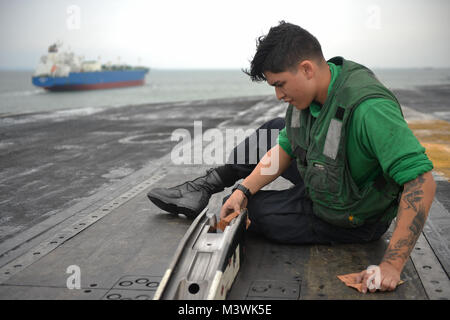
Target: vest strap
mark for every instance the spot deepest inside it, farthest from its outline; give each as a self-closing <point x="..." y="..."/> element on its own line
<point x="300" y="153"/>
<point x="340" y="113"/>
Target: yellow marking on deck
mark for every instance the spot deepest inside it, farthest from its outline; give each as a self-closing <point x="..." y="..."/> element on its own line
<point x="434" y="135"/>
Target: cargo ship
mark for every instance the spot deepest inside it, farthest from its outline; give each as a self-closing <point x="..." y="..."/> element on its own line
<point x="64" y="71"/>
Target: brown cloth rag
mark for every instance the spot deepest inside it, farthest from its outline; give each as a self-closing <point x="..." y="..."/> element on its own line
<point x="226" y="221"/>
<point x="350" y="281"/>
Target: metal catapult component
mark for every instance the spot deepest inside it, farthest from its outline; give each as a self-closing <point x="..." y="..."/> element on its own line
<point x="206" y="261"/>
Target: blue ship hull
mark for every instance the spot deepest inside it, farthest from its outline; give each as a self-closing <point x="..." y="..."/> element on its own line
<point x="92" y="80"/>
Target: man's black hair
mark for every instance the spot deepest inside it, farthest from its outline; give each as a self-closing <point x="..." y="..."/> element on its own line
<point x="282" y="49"/>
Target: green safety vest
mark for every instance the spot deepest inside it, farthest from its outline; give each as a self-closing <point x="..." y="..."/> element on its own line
<point x="319" y="146"/>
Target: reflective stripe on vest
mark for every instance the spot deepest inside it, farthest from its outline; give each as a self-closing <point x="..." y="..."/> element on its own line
<point x="295" y="120"/>
<point x="333" y="137"/>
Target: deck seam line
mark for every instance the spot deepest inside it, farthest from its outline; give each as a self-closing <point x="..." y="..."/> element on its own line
<point x="433" y="277"/>
<point x="45" y="247"/>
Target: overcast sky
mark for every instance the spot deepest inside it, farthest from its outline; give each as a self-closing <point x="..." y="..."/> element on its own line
<point x="197" y="34"/>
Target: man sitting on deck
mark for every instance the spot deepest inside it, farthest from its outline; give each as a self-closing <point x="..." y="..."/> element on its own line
<point x="345" y="146"/>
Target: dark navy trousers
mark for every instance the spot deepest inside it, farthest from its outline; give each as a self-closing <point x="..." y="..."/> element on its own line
<point x="286" y="216"/>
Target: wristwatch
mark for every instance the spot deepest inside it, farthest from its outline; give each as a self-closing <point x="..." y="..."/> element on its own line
<point x="244" y="189"/>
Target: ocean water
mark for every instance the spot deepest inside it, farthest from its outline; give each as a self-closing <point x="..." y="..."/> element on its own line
<point x="18" y="95"/>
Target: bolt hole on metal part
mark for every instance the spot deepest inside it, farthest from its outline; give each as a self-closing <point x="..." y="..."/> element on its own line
<point x="194" y="288"/>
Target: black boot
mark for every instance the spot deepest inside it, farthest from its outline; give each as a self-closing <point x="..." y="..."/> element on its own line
<point x="189" y="198"/>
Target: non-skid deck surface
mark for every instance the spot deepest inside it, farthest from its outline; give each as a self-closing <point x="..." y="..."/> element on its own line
<point x="125" y="253"/>
<point x="122" y="243"/>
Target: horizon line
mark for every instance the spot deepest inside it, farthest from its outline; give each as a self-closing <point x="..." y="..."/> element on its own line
<point x="3" y="68"/>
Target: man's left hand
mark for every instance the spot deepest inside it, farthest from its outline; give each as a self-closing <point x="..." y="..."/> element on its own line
<point x="390" y="277"/>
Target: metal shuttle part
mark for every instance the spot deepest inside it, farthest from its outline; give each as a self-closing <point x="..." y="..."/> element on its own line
<point x="206" y="261"/>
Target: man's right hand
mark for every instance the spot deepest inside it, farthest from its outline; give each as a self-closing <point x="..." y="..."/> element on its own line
<point x="235" y="202"/>
<point x="273" y="166"/>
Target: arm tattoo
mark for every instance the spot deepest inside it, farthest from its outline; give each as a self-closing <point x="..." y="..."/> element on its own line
<point x="413" y="193"/>
<point x="412" y="199"/>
